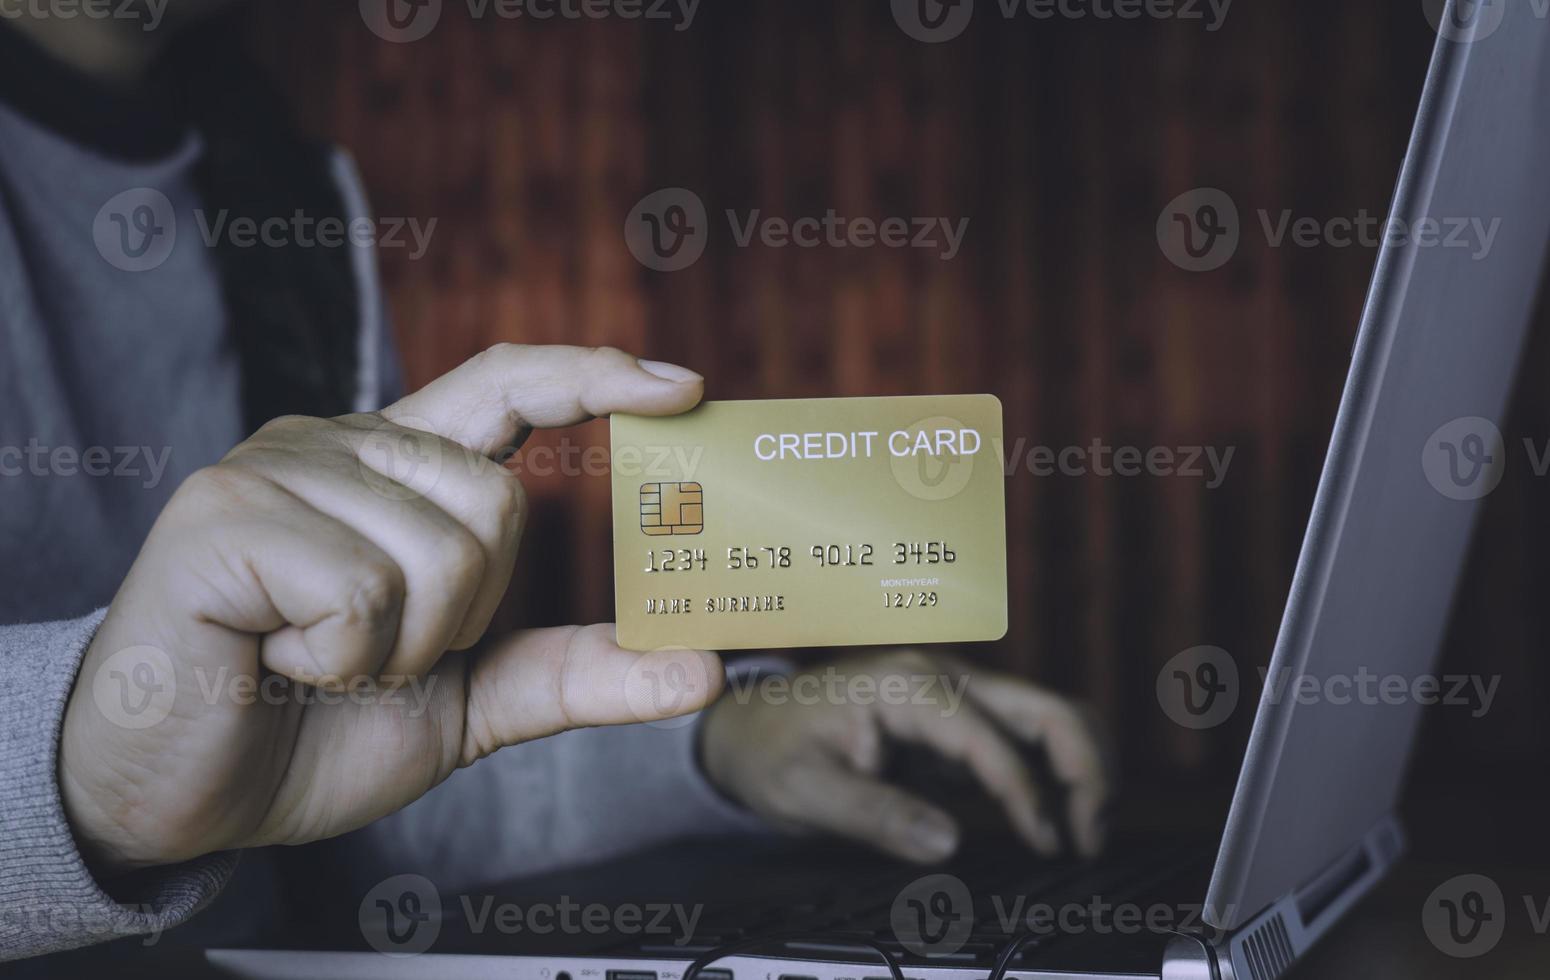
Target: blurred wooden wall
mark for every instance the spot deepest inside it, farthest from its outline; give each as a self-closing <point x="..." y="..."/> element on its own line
<point x="1061" y="142"/>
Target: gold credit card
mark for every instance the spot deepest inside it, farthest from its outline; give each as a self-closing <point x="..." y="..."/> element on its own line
<point x="811" y="522"/>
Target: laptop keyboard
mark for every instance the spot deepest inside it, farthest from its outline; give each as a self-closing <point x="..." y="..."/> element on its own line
<point x="1003" y="890"/>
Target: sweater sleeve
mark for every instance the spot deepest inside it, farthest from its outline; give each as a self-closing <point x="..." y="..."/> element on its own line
<point x="49" y="899"/>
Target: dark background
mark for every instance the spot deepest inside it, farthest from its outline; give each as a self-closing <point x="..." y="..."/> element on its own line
<point x="1061" y="141"/>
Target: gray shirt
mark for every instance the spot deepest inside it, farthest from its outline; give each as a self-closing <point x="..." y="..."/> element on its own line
<point x="114" y="384"/>
<point x="120" y="379"/>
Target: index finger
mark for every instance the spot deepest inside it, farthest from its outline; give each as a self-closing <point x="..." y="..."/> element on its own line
<point x="964" y="735"/>
<point x="485" y="403"/>
<point x="1041" y="717"/>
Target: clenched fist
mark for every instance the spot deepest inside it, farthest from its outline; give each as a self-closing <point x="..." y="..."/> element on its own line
<point x="276" y="668"/>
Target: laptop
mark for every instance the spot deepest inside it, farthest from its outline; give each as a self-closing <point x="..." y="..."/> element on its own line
<point x="1311" y="826"/>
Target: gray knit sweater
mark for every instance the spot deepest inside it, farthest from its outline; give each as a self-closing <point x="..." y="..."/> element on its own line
<point x="116" y="382"/>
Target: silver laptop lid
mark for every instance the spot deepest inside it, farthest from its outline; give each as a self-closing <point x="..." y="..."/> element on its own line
<point x="1407" y="465"/>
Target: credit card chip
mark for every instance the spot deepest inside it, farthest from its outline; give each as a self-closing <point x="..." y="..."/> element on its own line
<point x="672" y="508"/>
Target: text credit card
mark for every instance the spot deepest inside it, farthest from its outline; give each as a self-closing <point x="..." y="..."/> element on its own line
<point x="811" y="522"/>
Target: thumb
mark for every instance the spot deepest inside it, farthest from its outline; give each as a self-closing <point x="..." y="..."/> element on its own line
<point x="487" y="402"/>
<point x="540" y="682"/>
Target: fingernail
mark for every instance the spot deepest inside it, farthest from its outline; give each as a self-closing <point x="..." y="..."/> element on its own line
<point x="671" y="372"/>
<point x="934" y="835"/>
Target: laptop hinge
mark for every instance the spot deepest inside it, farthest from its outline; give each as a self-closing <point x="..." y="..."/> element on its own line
<point x="1266" y="946"/>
